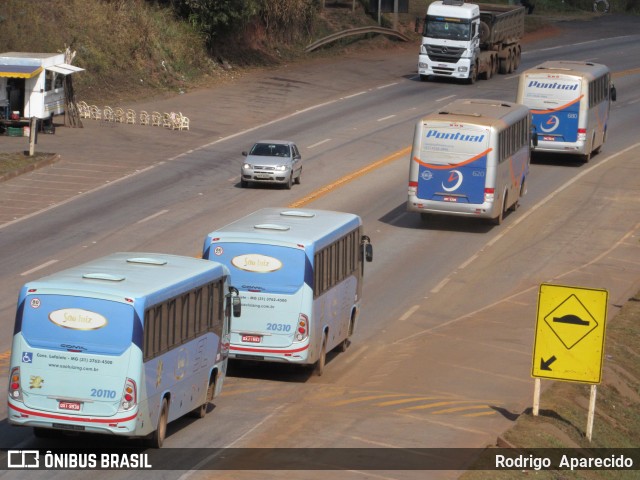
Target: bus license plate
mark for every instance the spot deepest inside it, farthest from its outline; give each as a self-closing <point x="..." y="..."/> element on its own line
<point x="75" y="406"/>
<point x="251" y="338"/>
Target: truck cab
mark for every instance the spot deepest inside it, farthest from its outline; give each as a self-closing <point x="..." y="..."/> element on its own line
<point x="450" y="40"/>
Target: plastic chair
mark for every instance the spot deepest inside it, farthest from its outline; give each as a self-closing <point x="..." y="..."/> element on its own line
<point x="130" y="116"/>
<point x="144" y="118"/>
<point x="156" y="119"/>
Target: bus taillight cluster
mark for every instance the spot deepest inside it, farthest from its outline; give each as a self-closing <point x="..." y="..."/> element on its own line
<point x="15" y="391"/>
<point x="303" y="327"/>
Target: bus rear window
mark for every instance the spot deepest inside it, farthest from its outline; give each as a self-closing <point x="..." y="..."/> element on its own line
<point x="265" y="268"/>
<point x="79" y="324"/>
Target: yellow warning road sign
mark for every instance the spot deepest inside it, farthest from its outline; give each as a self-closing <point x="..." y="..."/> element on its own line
<point x="570" y="330"/>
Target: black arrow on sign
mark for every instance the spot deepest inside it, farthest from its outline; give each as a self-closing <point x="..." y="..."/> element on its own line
<point x="544" y="364"/>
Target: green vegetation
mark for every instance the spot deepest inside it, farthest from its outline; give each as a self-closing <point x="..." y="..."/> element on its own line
<point x="564" y="406"/>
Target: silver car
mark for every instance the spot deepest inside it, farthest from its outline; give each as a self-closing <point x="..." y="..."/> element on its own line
<point x="272" y="161"/>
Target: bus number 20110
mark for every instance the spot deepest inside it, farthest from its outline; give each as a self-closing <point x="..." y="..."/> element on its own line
<point x="100" y="393"/>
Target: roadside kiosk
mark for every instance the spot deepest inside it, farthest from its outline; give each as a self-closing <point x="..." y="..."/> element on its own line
<point x="32" y="85"/>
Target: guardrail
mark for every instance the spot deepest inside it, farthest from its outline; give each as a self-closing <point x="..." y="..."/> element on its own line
<point x="356" y="31"/>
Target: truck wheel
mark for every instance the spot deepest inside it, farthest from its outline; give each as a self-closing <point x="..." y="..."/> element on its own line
<point x="425" y="78"/>
<point x="473" y="75"/>
<point x="488" y="73"/>
<point x="516" y="58"/>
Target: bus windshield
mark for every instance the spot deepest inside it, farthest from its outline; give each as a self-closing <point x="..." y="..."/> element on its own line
<point x="444" y="145"/>
<point x="263" y="268"/>
<point x="437" y="27"/>
<point x="90" y="326"/>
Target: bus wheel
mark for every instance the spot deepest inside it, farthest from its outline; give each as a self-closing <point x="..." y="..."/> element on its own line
<point x="319" y="367"/>
<point x="500" y="217"/>
<point x="201" y="411"/>
<point x="157" y="437"/>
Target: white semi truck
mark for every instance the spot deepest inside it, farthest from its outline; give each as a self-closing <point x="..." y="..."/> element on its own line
<point x="467" y="41"/>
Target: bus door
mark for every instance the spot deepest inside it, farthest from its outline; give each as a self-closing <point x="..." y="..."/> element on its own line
<point x="452" y="167"/>
<point x="555" y="107"/>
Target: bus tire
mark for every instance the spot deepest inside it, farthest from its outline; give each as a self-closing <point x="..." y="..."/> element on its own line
<point x="498" y="220"/>
<point x="319" y="366"/>
<point x="158" y="436"/>
<point x="201" y="411"/>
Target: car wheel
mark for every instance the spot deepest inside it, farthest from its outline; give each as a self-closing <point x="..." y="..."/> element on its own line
<point x="299" y="178"/>
<point x="244" y="183"/>
<point x="289" y="182"/>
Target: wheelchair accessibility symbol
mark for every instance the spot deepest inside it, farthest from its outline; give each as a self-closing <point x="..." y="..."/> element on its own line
<point x="27" y="357"/>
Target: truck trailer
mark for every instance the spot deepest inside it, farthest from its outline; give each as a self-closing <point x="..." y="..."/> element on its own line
<point x="467" y="41"/>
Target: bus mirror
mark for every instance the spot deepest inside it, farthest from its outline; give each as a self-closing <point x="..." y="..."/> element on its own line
<point x="368" y="252"/>
<point x="237" y="307"/>
<point x="367" y="248"/>
<point x="234" y="299"/>
<point x="613" y="93"/>
<point x="534" y="137"/>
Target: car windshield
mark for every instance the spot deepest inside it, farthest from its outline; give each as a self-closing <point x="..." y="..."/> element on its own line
<point x="270" y="150"/>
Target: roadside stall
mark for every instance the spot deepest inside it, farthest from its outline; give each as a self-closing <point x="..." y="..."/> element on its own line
<point x="32" y="86"/>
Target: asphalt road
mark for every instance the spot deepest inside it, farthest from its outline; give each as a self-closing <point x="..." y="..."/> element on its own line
<point x="443" y="355"/>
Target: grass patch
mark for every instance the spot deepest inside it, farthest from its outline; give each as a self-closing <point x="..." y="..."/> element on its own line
<point x="17" y="162"/>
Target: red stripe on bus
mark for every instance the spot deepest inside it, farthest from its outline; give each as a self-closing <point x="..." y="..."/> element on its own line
<point x="71" y="419"/>
<point x="268" y="350"/>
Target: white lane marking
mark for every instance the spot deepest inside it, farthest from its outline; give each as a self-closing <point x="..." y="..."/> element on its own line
<point x="386" y="118"/>
<point x="354" y="95"/>
<point x="409" y="312"/>
<point x="208" y="459"/>
<point x="445" y="98"/>
<point x="157" y="214"/>
<point x="439" y="287"/>
<point x="387" y="85"/>
<point x="317" y="144"/>
<point x="39" y="267"/>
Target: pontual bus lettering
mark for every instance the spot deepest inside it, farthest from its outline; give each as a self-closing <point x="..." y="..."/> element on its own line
<point x="454" y="136"/>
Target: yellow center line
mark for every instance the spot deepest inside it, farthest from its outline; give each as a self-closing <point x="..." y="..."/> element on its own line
<point x="365" y="399"/>
<point x="349" y="178"/>
<point x="624" y="73"/>
<point x="405" y="400"/>
<point x="459" y="409"/>
<point x="434" y="405"/>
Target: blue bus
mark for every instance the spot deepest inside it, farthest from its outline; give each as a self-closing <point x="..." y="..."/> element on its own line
<point x="299" y="273"/>
<point x="570" y="103"/>
<point x="120" y="345"/>
<point x="471" y="158"/>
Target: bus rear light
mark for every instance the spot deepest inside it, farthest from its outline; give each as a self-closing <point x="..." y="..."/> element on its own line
<point x="15" y="392"/>
<point x="413" y="188"/>
<point x="303" y="327"/>
<point x="582" y="134"/>
<point x="129" y="395"/>
<point x="489" y="194"/>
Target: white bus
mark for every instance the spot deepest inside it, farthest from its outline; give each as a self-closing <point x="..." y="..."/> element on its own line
<point x="299" y="273"/>
<point x="570" y="103"/>
<point x="120" y="345"/>
<point x="470" y="158"/>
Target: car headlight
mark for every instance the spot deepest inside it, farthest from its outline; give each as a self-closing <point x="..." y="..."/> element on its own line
<point x="247" y="165"/>
<point x="281" y="168"/>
